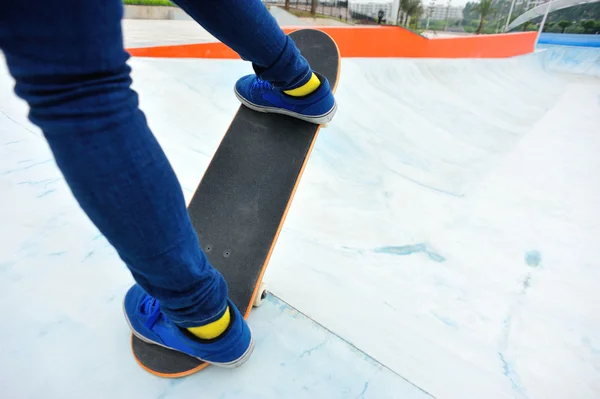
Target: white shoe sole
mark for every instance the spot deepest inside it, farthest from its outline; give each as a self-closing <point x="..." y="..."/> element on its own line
<point x="319" y="119"/>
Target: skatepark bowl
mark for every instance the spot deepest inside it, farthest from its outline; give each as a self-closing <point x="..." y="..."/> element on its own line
<point x="443" y="241"/>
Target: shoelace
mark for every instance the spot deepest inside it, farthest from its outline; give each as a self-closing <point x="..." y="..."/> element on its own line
<point x="262" y="84"/>
<point x="151" y="306"/>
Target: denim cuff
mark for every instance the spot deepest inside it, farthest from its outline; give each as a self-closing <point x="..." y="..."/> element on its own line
<point x="289" y="71"/>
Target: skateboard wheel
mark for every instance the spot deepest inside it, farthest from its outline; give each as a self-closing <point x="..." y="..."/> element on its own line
<point x="262" y="294"/>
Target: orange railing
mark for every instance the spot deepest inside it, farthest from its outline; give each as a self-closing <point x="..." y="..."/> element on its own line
<point x="376" y="41"/>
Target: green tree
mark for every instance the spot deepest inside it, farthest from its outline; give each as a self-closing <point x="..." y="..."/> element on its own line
<point x="414" y="9"/>
<point x="469" y="12"/>
<point x="577" y="13"/>
<point x="483" y="8"/>
<point x="564" y="25"/>
<point x="575" y="28"/>
<point x="590" y="27"/>
<point x="403" y="12"/>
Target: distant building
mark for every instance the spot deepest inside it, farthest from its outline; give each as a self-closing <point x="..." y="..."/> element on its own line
<point x="441" y="12"/>
<point x="371" y="8"/>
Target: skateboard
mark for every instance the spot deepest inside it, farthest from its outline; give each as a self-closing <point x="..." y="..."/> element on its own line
<point x="241" y="202"/>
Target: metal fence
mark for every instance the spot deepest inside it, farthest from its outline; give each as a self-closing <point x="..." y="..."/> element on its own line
<point x="335" y="9"/>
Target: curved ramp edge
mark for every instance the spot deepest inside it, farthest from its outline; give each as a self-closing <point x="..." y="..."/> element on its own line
<point x="376" y="42"/>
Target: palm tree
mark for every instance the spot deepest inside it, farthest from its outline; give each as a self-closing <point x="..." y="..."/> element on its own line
<point x="408" y="9"/>
<point x="483" y="8"/>
<point x="402" y="11"/>
<point x="415" y="9"/>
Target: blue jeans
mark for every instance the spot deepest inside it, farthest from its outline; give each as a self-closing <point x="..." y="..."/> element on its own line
<point x="69" y="64"/>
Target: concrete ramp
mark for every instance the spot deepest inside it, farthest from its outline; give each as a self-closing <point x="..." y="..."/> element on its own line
<point x="443" y="241"/>
<point x="572" y="60"/>
<point x="447" y="225"/>
<point x="440" y="124"/>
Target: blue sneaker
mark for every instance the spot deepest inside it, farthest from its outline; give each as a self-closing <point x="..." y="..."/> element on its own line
<point x="151" y="325"/>
<point x="259" y="95"/>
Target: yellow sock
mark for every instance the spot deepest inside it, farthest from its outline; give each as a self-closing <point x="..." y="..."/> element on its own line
<point x="214" y="329"/>
<point x="305" y="89"/>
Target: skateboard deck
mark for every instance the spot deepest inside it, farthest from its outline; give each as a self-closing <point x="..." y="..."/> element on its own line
<point x="241" y="202"/>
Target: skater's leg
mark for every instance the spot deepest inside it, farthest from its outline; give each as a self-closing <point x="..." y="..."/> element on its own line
<point x="70" y="67"/>
<point x="249" y="29"/>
